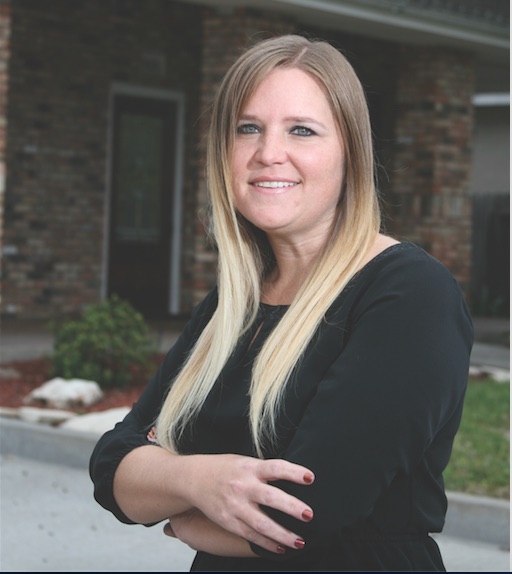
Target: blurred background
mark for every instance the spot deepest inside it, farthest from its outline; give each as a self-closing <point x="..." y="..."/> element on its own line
<point x="104" y="108"/>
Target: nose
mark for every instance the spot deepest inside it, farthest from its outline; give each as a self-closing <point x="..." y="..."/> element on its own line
<point x="271" y="149"/>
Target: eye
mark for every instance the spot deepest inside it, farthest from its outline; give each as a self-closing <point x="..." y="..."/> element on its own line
<point x="245" y="129"/>
<point x="302" y="131"/>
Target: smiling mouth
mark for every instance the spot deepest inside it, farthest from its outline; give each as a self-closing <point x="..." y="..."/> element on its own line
<point x="274" y="184"/>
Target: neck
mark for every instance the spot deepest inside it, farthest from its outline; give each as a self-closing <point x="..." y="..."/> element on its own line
<point x="293" y="264"/>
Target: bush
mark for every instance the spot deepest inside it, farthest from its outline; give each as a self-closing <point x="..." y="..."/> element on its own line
<point x="104" y="345"/>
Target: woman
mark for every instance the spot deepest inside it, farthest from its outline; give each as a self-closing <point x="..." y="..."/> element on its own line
<point x="307" y="412"/>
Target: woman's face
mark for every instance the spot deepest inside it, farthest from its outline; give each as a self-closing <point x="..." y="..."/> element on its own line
<point x="287" y="162"/>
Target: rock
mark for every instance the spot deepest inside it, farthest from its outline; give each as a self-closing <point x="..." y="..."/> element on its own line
<point x="9" y="412"/>
<point x="45" y="416"/>
<point x="498" y="375"/>
<point x="62" y="393"/>
<point x="97" y="423"/>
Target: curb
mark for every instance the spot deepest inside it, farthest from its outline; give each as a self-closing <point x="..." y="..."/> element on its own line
<point x="478" y="518"/>
<point x="46" y="443"/>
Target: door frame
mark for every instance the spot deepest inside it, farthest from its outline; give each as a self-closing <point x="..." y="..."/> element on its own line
<point x="133" y="90"/>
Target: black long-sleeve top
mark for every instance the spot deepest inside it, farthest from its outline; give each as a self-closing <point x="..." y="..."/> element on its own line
<point x="372" y="410"/>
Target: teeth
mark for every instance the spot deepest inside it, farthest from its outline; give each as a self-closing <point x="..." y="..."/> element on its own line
<point x="274" y="184"/>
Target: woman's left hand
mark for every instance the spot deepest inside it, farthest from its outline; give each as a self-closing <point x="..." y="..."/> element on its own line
<point x="181" y="526"/>
<point x="201" y="534"/>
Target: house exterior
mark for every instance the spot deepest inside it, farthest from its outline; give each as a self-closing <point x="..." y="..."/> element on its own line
<point x="104" y="106"/>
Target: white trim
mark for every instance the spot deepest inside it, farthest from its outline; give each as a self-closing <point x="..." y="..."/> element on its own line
<point x="406" y="22"/>
<point x="175" y="266"/>
<point x="117" y="89"/>
<point x="491" y="99"/>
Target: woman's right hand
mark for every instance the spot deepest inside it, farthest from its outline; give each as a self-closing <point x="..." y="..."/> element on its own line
<point x="229" y="489"/>
<point x="151" y="484"/>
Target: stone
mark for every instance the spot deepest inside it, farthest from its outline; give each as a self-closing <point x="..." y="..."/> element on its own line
<point x="52" y="417"/>
<point x="494" y="373"/>
<point x="9" y="412"/>
<point x="64" y="393"/>
<point x="98" y="422"/>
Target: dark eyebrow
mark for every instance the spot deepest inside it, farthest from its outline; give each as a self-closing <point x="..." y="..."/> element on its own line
<point x="293" y="119"/>
<point x="304" y="119"/>
<point x="247" y="118"/>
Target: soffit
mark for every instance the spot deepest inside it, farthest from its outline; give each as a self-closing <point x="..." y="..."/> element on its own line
<point x="481" y="26"/>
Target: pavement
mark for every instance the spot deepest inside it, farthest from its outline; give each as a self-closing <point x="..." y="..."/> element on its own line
<point x="51" y="523"/>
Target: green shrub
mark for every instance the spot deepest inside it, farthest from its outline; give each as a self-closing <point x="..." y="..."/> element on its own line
<point x="105" y="345"/>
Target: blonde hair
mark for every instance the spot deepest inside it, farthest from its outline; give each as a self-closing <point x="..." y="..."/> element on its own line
<point x="244" y="255"/>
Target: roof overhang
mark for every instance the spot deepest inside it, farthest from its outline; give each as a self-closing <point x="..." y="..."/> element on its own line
<point x="402" y="22"/>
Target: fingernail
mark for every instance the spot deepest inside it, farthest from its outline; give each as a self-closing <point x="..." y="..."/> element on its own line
<point x="299" y="544"/>
<point x="308" y="478"/>
<point x="307" y="515"/>
<point x="281" y="549"/>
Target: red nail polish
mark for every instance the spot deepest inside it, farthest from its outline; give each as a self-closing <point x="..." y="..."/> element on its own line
<point x="308" y="478"/>
<point x="307" y="515"/>
<point x="299" y="544"/>
<point x="281" y="549"/>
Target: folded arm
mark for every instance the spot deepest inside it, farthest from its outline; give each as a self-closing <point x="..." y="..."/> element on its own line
<point x="152" y="484"/>
<point x="202" y="534"/>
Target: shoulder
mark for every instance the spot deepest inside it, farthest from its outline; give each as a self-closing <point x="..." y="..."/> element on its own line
<point x="199" y="318"/>
<point x="404" y="279"/>
<point x="208" y="304"/>
<point x="405" y="264"/>
<point x="204" y="310"/>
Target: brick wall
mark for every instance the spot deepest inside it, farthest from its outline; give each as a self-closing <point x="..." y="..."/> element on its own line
<point x="225" y="35"/>
<point x="420" y="102"/>
<point x="65" y="55"/>
<point x="430" y="202"/>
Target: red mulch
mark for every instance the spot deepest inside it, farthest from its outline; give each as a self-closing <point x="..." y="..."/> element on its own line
<point x="19" y="378"/>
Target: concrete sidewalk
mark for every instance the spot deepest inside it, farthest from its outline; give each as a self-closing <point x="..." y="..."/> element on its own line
<point x="48" y="508"/>
<point x="73" y="448"/>
<point x="51" y="523"/>
<point x="47" y="500"/>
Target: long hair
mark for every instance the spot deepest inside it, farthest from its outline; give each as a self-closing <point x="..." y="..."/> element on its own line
<point x="244" y="255"/>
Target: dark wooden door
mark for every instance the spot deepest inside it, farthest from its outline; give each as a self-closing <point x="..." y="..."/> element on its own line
<point x="141" y="202"/>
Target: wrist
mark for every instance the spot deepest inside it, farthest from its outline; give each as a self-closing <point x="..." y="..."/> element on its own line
<point x="191" y="470"/>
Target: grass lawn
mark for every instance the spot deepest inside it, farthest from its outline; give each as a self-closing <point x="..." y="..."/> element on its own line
<point x="480" y="462"/>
